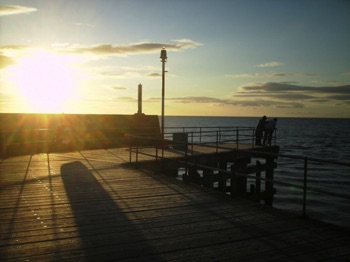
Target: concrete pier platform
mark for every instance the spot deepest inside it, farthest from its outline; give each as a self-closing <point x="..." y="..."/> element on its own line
<point x="94" y="206"/>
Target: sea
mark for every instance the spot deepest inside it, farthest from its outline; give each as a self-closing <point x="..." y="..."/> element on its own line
<point x="324" y="142"/>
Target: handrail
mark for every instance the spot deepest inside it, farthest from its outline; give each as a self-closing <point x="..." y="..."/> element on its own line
<point x="219" y="134"/>
<point x="212" y="137"/>
<point x="201" y="135"/>
<point x="305" y="186"/>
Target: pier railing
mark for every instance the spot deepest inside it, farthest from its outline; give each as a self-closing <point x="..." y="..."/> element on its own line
<point x="311" y="181"/>
<point x="308" y="189"/>
<point x="218" y="134"/>
<point x="67" y="138"/>
<point x="314" y="183"/>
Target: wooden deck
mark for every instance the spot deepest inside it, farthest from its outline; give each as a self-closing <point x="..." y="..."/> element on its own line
<point x="94" y="206"/>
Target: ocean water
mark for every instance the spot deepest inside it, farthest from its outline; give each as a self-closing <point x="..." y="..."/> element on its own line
<point x="315" y="138"/>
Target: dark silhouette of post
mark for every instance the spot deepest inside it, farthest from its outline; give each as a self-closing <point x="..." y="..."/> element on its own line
<point x="164" y="57"/>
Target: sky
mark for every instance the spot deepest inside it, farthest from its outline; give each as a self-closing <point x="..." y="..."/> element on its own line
<point x="225" y="57"/>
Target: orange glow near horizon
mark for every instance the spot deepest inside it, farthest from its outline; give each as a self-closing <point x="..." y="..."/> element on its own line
<point x="45" y="81"/>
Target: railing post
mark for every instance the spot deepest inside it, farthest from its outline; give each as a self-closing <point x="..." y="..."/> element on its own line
<point x="129" y="149"/>
<point x="137" y="152"/>
<point x="4" y="145"/>
<point x="156" y="150"/>
<point x="217" y="140"/>
<point x="186" y="160"/>
<point x="200" y="135"/>
<point x="258" y="180"/>
<point x="192" y="143"/>
<point x="237" y="136"/>
<point x="163" y="145"/>
<point x="269" y="176"/>
<point x="305" y="186"/>
<point x="253" y="138"/>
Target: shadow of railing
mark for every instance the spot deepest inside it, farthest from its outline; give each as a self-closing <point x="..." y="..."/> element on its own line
<point x="104" y="229"/>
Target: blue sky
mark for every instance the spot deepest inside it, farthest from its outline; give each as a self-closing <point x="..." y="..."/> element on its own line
<point x="225" y="58"/>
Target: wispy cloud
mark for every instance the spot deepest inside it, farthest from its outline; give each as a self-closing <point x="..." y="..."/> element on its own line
<point x="271" y="64"/>
<point x="5" y="61"/>
<point x="15" y="9"/>
<point x="126" y="99"/>
<point x="154" y="74"/>
<point x="109" y="49"/>
<point x="128" y="74"/>
<point x="257" y="102"/>
<point x="118" y="87"/>
<point x="276" y="93"/>
<point x="272" y="94"/>
<point x="136" y="48"/>
<point x="283" y="87"/>
<point x="10" y="53"/>
<point x="199" y="99"/>
<point x="272" y="75"/>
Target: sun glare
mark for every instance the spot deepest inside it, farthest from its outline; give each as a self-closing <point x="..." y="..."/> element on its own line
<point x="45" y="81"/>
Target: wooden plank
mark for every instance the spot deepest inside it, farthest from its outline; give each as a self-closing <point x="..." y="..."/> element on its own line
<point x="91" y="205"/>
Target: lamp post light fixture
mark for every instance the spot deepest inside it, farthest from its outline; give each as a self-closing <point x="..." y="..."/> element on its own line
<point x="163" y="57"/>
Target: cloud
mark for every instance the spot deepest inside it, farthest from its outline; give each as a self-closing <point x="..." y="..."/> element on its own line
<point x="271" y="64"/>
<point x="15" y="9"/>
<point x="272" y="75"/>
<point x="12" y="50"/>
<point x="118" y="87"/>
<point x="10" y="53"/>
<point x="5" y="61"/>
<point x="109" y="49"/>
<point x="341" y="97"/>
<point x="277" y="92"/>
<point x="111" y="74"/>
<point x="139" y="68"/>
<point x="256" y="102"/>
<point x="128" y="74"/>
<point x="280" y="96"/>
<point x="81" y="53"/>
<point x="154" y="74"/>
<point x="137" y="48"/>
<point x="271" y="94"/>
<point x="283" y="87"/>
<point x="274" y="95"/>
<point x="126" y="99"/>
<point x="199" y="99"/>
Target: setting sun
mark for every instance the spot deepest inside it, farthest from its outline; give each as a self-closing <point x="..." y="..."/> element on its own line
<point x="45" y="81"/>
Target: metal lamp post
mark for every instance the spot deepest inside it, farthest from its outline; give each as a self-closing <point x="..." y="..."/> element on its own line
<point x="164" y="57"/>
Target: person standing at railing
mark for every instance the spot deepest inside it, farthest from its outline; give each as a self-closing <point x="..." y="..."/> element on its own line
<point x="259" y="131"/>
<point x="270" y="127"/>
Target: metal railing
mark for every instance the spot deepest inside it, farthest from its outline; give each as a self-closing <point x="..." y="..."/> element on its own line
<point x="219" y="134"/>
<point x="304" y="183"/>
<point x="216" y="137"/>
<point x="199" y="136"/>
<point x="51" y="137"/>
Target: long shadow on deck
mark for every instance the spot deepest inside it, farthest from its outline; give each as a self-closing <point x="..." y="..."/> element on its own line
<point x="105" y="231"/>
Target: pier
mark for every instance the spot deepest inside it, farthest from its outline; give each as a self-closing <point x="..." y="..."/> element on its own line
<point x="96" y="205"/>
<point x="123" y="192"/>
